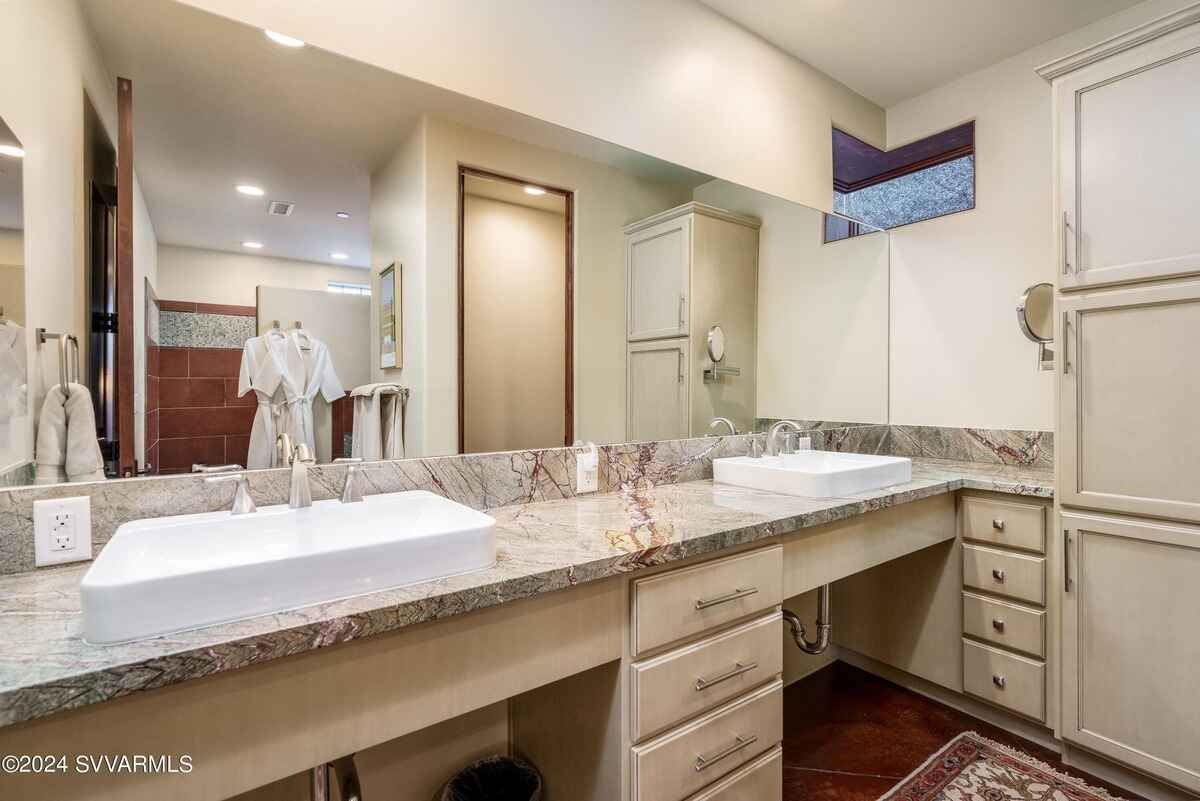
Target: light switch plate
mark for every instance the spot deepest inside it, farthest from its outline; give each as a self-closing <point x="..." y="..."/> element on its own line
<point x="62" y="531"/>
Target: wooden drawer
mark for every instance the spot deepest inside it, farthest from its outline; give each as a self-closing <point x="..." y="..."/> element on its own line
<point x="687" y="681"/>
<point x="1005" y="679"/>
<point x="1018" y="627"/>
<point x="1005" y="573"/>
<point x="761" y="780"/>
<point x="676" y="764"/>
<point x="683" y="603"/>
<point x="1014" y="525"/>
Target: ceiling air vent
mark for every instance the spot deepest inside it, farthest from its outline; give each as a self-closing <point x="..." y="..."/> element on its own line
<point x="280" y="208"/>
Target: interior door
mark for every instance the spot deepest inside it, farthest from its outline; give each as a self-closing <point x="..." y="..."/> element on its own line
<point x="1130" y="648"/>
<point x="658" y="259"/>
<point x="1129" y="395"/>
<point x="658" y="390"/>
<point x="1128" y="128"/>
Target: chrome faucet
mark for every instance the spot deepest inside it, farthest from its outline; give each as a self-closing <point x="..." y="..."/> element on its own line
<point x="352" y="489"/>
<point x="243" y="504"/>
<point x="773" y="433"/>
<point x="722" y="421"/>
<point x="299" y="456"/>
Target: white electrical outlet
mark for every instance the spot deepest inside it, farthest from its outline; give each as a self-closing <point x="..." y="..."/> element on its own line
<point x="587" y="468"/>
<point x="62" y="531"/>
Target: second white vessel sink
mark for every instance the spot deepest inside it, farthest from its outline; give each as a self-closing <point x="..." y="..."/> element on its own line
<point x="175" y="573"/>
<point x="814" y="474"/>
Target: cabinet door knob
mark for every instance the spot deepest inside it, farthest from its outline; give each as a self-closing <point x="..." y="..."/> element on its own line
<point x="998" y="625"/>
<point x="998" y="524"/>
<point x="998" y="574"/>
<point x="999" y="681"/>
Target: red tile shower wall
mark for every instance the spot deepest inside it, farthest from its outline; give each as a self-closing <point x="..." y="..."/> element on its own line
<point x="201" y="419"/>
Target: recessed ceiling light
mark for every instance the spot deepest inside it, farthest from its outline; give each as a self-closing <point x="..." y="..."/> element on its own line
<point x="342" y="215"/>
<point x="12" y="151"/>
<point x="283" y="39"/>
<point x="534" y="190"/>
<point x="339" y="256"/>
<point x="252" y="245"/>
<point x="251" y="190"/>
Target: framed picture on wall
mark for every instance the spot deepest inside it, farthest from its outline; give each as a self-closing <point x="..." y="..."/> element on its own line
<point x="391" y="345"/>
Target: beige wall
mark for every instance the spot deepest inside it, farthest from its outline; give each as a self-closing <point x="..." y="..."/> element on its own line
<point x="822" y="312"/>
<point x="606" y="199"/>
<point x="670" y="78"/>
<point x="214" y="276"/>
<point x="514" y="259"/>
<point x="12" y="275"/>
<point x="957" y="356"/>
<point x="398" y="236"/>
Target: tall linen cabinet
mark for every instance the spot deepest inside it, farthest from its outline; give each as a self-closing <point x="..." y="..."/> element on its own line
<point x="1128" y="365"/>
<point x="687" y="269"/>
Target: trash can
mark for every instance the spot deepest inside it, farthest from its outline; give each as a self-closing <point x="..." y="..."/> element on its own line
<point x="495" y="778"/>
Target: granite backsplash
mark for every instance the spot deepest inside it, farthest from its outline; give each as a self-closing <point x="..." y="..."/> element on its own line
<point x="489" y="481"/>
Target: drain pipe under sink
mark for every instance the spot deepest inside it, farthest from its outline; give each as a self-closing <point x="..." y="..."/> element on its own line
<point x="824" y="624"/>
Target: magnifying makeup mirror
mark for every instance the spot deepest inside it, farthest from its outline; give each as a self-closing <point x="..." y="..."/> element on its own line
<point x="716" y="343"/>
<point x="1035" y="316"/>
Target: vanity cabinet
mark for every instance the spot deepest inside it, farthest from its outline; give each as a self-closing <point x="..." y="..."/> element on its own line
<point x="1129" y="387"/>
<point x="1130" y="650"/>
<point x="1127" y="165"/>
<point x="686" y="270"/>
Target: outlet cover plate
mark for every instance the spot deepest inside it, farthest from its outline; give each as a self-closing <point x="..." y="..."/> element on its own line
<point x="80" y="511"/>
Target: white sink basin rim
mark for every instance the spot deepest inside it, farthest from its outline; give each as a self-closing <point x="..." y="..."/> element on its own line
<point x="177" y="573"/>
<point x="814" y="474"/>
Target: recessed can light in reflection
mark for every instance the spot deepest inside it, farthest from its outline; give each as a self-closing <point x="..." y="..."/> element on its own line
<point x="12" y="151"/>
<point x="251" y="190"/>
<point x="534" y="190"/>
<point x="283" y="39"/>
<point x="342" y="215"/>
<point x="252" y="245"/>
<point x="339" y="256"/>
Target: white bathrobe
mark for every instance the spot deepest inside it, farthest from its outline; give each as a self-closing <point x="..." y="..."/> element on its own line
<point x="309" y="372"/>
<point x="67" y="448"/>
<point x="13" y="372"/>
<point x="264" y="372"/>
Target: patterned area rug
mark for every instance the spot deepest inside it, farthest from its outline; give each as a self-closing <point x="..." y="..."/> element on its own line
<point x="974" y="768"/>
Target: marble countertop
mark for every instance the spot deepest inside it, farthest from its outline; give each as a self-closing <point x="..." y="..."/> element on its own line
<point x="46" y="667"/>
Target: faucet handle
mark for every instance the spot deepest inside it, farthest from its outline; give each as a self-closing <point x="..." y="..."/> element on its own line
<point x="351" y="491"/>
<point x="303" y="453"/>
<point x="243" y="503"/>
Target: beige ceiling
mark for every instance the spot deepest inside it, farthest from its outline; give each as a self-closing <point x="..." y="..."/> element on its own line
<point x="217" y="104"/>
<point x="889" y="51"/>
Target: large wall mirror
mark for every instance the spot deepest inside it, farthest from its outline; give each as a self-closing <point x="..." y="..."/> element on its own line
<point x="14" y="410"/>
<point x="384" y="269"/>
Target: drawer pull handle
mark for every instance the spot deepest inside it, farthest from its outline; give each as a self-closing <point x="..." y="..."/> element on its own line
<point x="998" y="524"/>
<point x="999" y="681"/>
<point x="738" y="594"/>
<point x="998" y="625"/>
<point x="737" y="670"/>
<point x="998" y="574"/>
<point x="739" y="742"/>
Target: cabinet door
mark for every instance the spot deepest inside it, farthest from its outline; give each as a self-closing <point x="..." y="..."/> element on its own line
<point x="1128" y="163"/>
<point x="658" y="390"/>
<point x="1129" y="395"/>
<point x="657" y="262"/>
<point x="1129" y="647"/>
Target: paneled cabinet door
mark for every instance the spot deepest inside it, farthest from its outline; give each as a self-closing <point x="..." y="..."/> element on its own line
<point x="658" y="390"/>
<point x="1130" y="648"/>
<point x="1129" y="165"/>
<point x="658" y="261"/>
<point x="1129" y="395"/>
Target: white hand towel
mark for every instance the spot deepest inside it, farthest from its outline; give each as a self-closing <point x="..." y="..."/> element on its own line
<point x="84" y="461"/>
<point x="367" y="390"/>
<point x="392" y="412"/>
<point x="67" y="449"/>
<point x="51" y="449"/>
<point x="366" y="441"/>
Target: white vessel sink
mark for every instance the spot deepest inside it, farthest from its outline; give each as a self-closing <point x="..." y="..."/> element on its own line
<point x="176" y="573"/>
<point x="814" y="474"/>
